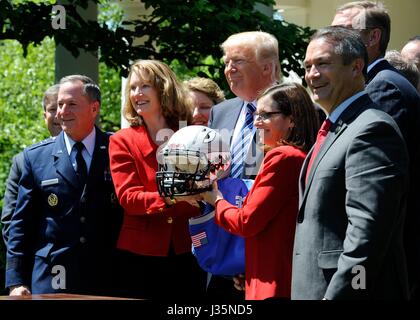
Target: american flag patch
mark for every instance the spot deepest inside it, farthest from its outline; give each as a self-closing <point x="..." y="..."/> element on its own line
<point x="199" y="239"/>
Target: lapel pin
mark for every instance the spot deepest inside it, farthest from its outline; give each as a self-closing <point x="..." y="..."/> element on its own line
<point x="338" y="127"/>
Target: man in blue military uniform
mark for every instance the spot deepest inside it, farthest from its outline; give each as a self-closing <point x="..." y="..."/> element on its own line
<point x="63" y="232"/>
<point x="49" y="104"/>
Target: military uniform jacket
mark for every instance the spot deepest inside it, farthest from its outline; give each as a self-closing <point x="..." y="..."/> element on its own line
<point x="62" y="234"/>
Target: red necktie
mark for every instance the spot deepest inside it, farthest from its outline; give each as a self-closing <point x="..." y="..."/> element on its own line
<point x="322" y="133"/>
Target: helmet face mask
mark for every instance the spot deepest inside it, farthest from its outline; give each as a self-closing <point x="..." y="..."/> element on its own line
<point x="192" y="160"/>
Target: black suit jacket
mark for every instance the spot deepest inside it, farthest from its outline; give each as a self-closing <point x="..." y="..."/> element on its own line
<point x="58" y="223"/>
<point x="395" y="95"/>
<point x="224" y="117"/>
<point x="11" y="194"/>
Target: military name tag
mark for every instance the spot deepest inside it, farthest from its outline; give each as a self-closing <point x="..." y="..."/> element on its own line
<point x="52" y="200"/>
<point x="49" y="182"/>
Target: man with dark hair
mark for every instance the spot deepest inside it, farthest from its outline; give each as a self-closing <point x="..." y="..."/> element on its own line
<point x="352" y="185"/>
<point x="393" y="94"/>
<point x="63" y="231"/>
<point x="49" y="103"/>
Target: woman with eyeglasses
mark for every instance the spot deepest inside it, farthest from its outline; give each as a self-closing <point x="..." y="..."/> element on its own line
<point x="288" y="125"/>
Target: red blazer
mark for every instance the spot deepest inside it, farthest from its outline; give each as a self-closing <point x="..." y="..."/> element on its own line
<point x="149" y="226"/>
<point x="267" y="221"/>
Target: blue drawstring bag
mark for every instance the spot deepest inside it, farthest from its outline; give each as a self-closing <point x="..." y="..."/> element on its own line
<point x="218" y="251"/>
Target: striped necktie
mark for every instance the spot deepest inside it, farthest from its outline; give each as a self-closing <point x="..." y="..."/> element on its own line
<point x="240" y="148"/>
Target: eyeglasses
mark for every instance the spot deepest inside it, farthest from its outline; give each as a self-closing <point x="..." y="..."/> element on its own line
<point x="235" y="62"/>
<point x="265" y="115"/>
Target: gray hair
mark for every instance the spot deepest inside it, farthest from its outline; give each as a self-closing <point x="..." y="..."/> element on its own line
<point x="90" y="88"/>
<point x="407" y="68"/>
<point x="347" y="43"/>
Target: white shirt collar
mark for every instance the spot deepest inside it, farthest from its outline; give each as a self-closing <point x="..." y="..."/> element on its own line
<point x="374" y="63"/>
<point x="88" y="141"/>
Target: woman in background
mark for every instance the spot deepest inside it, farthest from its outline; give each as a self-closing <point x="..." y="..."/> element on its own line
<point x="205" y="94"/>
<point x="154" y="242"/>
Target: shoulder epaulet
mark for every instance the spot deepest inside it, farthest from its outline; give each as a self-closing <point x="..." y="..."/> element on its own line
<point x="42" y="143"/>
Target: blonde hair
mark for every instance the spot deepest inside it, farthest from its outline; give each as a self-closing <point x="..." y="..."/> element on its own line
<point x="265" y="45"/>
<point x="175" y="102"/>
<point x="208" y="87"/>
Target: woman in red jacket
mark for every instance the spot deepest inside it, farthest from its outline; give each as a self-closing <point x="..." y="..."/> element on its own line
<point x="154" y="242"/>
<point x="288" y="124"/>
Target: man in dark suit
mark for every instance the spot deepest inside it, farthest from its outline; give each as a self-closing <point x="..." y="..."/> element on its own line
<point x="49" y="103"/>
<point x="67" y="218"/>
<point x="348" y="242"/>
<point x="251" y="65"/>
<point x="393" y="94"/>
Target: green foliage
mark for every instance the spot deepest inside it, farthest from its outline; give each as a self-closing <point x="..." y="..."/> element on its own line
<point x="22" y="83"/>
<point x="110" y="84"/>
<point x="186" y="31"/>
<point x="110" y="14"/>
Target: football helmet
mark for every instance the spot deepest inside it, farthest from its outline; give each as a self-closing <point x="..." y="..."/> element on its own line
<point x="193" y="158"/>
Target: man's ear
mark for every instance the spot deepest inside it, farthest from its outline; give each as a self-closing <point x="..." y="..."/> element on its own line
<point x="357" y="66"/>
<point x="374" y="37"/>
<point x="268" y="68"/>
<point x="95" y="107"/>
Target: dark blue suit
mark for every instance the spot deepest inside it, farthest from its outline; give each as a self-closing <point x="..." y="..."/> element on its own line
<point x="60" y="223"/>
<point x="395" y="95"/>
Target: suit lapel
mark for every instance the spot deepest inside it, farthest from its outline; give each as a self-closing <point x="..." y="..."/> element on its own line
<point x="62" y="162"/>
<point x="334" y="133"/>
<point x="302" y="176"/>
<point x="232" y="115"/>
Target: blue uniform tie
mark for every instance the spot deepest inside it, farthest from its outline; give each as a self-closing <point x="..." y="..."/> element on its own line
<point x="81" y="163"/>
